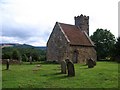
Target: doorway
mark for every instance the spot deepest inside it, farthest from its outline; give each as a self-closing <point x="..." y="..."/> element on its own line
<point x="75" y="56"/>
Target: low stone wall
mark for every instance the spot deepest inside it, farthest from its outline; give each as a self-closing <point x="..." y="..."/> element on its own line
<point x="11" y="61"/>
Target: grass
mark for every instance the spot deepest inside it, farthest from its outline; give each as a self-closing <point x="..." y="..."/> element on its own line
<point x="103" y="75"/>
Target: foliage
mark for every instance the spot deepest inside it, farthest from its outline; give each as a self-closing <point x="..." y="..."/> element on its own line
<point x="24" y="58"/>
<point x="25" y="53"/>
<point x="117" y="50"/>
<point x="117" y="46"/>
<point x="6" y="55"/>
<point x="16" y="54"/>
<point x="103" y="75"/>
<point x="104" y="41"/>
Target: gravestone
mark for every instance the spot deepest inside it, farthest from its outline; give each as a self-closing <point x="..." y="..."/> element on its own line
<point x="94" y="62"/>
<point x="30" y="59"/>
<point x="7" y="64"/>
<point x="86" y="62"/>
<point x="20" y="59"/>
<point x="63" y="67"/>
<point x="67" y="60"/>
<point x="70" y="68"/>
<point x="91" y="63"/>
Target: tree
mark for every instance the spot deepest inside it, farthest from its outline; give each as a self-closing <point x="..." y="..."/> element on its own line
<point x="16" y="54"/>
<point x="6" y="55"/>
<point x="104" y="41"/>
<point x="24" y="58"/>
<point x="117" y="50"/>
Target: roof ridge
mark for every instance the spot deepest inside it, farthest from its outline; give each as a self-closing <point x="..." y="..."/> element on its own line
<point x="66" y="24"/>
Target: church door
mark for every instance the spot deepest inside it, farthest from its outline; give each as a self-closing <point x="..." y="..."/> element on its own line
<point x="75" y="56"/>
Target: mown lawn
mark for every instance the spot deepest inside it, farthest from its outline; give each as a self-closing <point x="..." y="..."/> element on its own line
<point x="103" y="75"/>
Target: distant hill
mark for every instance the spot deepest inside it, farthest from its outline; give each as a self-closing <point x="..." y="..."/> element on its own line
<point x="2" y="45"/>
<point x="24" y="46"/>
<point x="41" y="47"/>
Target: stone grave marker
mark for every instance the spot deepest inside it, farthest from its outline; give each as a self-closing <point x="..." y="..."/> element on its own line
<point x="63" y="67"/>
<point x="30" y="59"/>
<point x="91" y="63"/>
<point x="7" y="64"/>
<point x="94" y="63"/>
<point x="70" y="68"/>
<point x="86" y="62"/>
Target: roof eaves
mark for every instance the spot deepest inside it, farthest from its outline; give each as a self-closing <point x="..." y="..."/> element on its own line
<point x="88" y="38"/>
<point x="63" y="32"/>
<point x="82" y="45"/>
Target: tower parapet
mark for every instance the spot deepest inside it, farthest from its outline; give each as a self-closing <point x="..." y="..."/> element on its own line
<point x="82" y="22"/>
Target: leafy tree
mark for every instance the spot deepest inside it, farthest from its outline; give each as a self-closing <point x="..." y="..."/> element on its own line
<point x="117" y="50"/>
<point x="43" y="58"/>
<point x="16" y="54"/>
<point x="24" y="58"/>
<point x="36" y="53"/>
<point x="104" y="41"/>
<point x="35" y="56"/>
<point x="6" y="55"/>
<point x="117" y="46"/>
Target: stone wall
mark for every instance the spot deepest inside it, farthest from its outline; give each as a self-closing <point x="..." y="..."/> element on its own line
<point x="56" y="45"/>
<point x="11" y="61"/>
<point x="84" y="53"/>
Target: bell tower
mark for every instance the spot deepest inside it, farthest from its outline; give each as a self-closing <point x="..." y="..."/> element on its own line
<point x="82" y="22"/>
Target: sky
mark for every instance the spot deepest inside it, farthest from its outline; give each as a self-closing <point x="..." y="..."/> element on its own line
<point x="32" y="21"/>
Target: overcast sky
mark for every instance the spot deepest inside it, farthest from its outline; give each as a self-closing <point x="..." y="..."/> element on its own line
<point x="32" y="21"/>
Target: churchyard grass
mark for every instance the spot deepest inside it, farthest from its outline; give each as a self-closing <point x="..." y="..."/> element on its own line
<point x="103" y="75"/>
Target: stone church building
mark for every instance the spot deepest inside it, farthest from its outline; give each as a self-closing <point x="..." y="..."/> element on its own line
<point x="71" y="41"/>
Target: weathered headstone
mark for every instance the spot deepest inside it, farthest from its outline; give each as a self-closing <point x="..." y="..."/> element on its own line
<point x="20" y="59"/>
<point x="7" y="64"/>
<point x="63" y="67"/>
<point x="30" y="59"/>
<point x="91" y="63"/>
<point x="86" y="61"/>
<point x="94" y="62"/>
<point x="70" y="68"/>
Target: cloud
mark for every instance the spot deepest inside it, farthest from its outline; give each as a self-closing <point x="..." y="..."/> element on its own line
<point x="24" y="24"/>
<point x="25" y="34"/>
<point x="32" y="21"/>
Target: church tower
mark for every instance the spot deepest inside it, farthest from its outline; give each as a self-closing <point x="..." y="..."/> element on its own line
<point x="82" y="22"/>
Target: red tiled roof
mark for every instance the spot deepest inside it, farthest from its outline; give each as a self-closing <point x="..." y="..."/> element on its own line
<point x="75" y="35"/>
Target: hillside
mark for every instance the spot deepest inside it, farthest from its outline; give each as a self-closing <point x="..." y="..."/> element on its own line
<point x="23" y="51"/>
<point x="17" y="45"/>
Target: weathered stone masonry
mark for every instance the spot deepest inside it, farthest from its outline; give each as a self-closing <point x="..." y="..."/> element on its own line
<point x="71" y="41"/>
<point x="56" y="45"/>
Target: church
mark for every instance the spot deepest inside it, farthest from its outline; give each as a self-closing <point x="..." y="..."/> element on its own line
<point x="71" y="42"/>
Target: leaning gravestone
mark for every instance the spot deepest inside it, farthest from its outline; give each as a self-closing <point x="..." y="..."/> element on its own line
<point x="7" y="64"/>
<point x="63" y="67"/>
<point x="70" y="68"/>
<point x="91" y="63"/>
